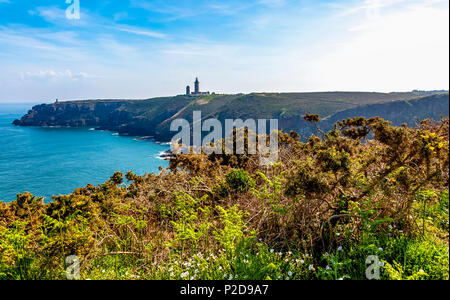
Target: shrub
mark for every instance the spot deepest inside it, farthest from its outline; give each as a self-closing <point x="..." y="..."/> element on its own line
<point x="239" y="181"/>
<point x="365" y="188"/>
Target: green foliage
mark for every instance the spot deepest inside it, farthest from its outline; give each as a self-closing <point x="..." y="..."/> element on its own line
<point x="233" y="229"/>
<point x="363" y="189"/>
<point x="416" y="259"/>
<point x="239" y="181"/>
<point x="18" y="260"/>
<point x="190" y="223"/>
<point x="270" y="192"/>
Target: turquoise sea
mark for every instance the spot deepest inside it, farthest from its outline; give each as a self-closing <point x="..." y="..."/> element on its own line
<point x="55" y="161"/>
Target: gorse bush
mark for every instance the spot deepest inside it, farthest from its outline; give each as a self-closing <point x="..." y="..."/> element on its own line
<point x="239" y="180"/>
<point x="363" y="189"/>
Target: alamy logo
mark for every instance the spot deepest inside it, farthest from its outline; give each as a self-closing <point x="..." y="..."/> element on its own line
<point x="253" y="134"/>
<point x="373" y="270"/>
<point x="73" y="11"/>
<point x="73" y="269"/>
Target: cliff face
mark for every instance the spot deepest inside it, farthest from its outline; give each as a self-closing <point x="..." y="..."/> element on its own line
<point x="126" y="117"/>
<point x="74" y="114"/>
<point x="153" y="117"/>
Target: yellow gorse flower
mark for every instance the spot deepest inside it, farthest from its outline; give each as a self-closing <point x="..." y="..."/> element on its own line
<point x="334" y="151"/>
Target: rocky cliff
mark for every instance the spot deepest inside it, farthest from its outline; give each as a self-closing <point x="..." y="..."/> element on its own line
<point x="152" y="117"/>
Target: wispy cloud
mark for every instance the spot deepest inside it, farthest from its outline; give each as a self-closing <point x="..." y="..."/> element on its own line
<point x="143" y="48"/>
<point x="53" y="75"/>
<point x="138" y="31"/>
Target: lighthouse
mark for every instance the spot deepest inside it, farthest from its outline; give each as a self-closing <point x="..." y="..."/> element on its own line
<point x="197" y="86"/>
<point x="196" y="91"/>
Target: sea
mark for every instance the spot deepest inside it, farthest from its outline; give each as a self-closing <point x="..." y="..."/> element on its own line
<point x="56" y="161"/>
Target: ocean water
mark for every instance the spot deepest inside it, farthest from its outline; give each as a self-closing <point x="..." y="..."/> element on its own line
<point x="56" y="161"/>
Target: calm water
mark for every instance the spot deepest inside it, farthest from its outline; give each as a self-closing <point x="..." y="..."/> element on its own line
<point x="54" y="161"/>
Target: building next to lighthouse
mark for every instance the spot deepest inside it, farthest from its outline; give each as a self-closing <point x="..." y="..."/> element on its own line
<point x="196" y="91"/>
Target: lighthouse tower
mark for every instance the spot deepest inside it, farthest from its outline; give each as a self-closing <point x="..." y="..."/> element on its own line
<point x="197" y="86"/>
<point x="196" y="90"/>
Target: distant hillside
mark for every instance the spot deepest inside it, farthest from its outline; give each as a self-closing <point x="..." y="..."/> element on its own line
<point x="410" y="112"/>
<point x="152" y="117"/>
<point x="399" y="112"/>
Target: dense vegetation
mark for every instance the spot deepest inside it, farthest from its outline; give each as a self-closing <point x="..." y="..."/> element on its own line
<point x="153" y="117"/>
<point x="364" y="188"/>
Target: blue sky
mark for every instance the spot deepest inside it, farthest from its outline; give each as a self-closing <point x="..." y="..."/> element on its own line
<point x="143" y="49"/>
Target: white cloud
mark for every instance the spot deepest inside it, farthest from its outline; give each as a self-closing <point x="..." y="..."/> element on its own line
<point x="53" y="75"/>
<point x="405" y="49"/>
<point x="92" y="22"/>
<point x="139" y="31"/>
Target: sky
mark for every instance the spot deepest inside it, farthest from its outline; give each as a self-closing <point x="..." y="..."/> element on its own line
<point x="138" y="49"/>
